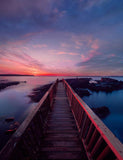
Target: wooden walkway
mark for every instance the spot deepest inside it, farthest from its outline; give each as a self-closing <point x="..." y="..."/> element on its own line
<point x="61" y="140"/>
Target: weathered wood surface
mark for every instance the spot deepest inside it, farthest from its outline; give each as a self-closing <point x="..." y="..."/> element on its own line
<point x="61" y="139"/>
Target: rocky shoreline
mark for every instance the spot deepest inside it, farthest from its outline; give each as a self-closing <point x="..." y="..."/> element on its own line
<point x="5" y="84"/>
<point x="84" y="87"/>
<point x="37" y="93"/>
<point x="105" y="84"/>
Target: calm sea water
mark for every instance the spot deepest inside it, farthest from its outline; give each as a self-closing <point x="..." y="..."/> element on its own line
<point x="14" y="102"/>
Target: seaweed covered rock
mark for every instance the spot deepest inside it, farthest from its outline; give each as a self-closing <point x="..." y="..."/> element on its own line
<point x="38" y="92"/>
<point x="5" y="84"/>
<point x="106" y="85"/>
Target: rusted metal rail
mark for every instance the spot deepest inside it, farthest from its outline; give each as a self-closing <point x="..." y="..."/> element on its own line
<point x="25" y="142"/>
<point x="98" y="140"/>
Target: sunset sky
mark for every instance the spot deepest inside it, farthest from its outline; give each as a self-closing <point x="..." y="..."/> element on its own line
<point x="61" y="37"/>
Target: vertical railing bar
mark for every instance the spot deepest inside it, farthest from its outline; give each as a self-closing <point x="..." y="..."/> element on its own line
<point x="89" y="133"/>
<point x="85" y="127"/>
<point x="83" y="124"/>
<point x="104" y="153"/>
<point x="96" y="147"/>
<point x="92" y="139"/>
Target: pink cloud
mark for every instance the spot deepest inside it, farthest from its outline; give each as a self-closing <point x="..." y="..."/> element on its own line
<point x="90" y="55"/>
<point x="56" y="10"/>
<point x="65" y="45"/>
<point x="95" y="44"/>
<point x="18" y="42"/>
<point x="111" y="55"/>
<point x="68" y="53"/>
<point x="73" y="54"/>
<point x="15" y="58"/>
<point x="85" y="41"/>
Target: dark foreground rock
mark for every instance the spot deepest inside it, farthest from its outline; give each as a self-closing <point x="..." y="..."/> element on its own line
<point x="80" y="86"/>
<point x="102" y="112"/>
<point x="79" y="82"/>
<point x="38" y="92"/>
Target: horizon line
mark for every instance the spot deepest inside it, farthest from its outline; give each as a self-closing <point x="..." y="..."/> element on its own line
<point x="53" y="75"/>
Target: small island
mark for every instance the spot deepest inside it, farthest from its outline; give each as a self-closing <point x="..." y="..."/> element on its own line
<point x="101" y="112"/>
<point x="15" y="75"/>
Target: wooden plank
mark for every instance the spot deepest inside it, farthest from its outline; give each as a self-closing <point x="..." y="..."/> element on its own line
<point x="61" y="149"/>
<point x="62" y="155"/>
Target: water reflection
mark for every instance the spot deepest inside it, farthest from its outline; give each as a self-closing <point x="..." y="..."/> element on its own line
<point x="14" y="102"/>
<point x="114" y="101"/>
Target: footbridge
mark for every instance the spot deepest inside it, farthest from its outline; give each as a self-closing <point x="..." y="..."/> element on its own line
<point x="62" y="126"/>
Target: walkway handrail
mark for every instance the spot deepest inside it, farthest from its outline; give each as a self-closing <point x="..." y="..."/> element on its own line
<point x="22" y="143"/>
<point x="98" y="140"/>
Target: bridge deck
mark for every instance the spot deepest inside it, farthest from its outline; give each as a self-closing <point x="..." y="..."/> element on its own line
<point x="61" y="140"/>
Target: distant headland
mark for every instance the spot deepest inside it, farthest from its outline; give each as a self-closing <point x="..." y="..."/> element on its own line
<point x="15" y="75"/>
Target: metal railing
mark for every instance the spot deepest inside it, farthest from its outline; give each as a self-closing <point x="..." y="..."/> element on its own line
<point x="25" y="142"/>
<point x="98" y="140"/>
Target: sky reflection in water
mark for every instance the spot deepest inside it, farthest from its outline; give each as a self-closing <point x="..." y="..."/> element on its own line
<point x="14" y="102"/>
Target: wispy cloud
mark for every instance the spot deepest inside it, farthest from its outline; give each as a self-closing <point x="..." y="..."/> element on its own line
<point x="67" y="53"/>
<point x="89" y="55"/>
<point x="55" y="35"/>
<point x="18" y="58"/>
<point x="39" y="46"/>
<point x="85" y="41"/>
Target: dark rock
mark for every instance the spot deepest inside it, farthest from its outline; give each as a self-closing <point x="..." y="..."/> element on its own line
<point x="12" y="128"/>
<point x="102" y="112"/>
<point x="82" y="92"/>
<point x="23" y="82"/>
<point x="9" y="119"/>
<point x="14" y="125"/>
<point x="38" y="92"/>
<point x="106" y="84"/>
<point x="10" y="131"/>
<point x="7" y="84"/>
<point x="79" y="82"/>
